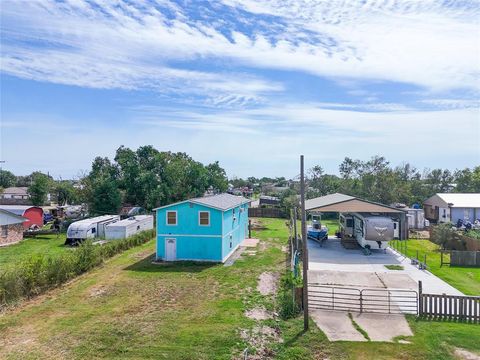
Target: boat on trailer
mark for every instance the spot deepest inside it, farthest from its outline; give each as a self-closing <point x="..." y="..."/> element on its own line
<point x="317" y="231"/>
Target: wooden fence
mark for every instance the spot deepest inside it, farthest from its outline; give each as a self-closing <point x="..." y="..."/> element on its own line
<point x="448" y="307"/>
<point x="461" y="308"/>
<point x="267" y="212"/>
<point x="461" y="258"/>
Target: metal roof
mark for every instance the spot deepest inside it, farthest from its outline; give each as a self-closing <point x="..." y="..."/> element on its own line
<point x="345" y="203"/>
<point x="16" y="190"/>
<point x="221" y="201"/>
<point x="18" y="209"/>
<point x="461" y="200"/>
<point x="326" y="200"/>
<point x="131" y="220"/>
<point x="18" y="219"/>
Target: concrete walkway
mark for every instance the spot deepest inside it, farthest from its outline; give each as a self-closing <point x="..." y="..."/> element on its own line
<point x="337" y="326"/>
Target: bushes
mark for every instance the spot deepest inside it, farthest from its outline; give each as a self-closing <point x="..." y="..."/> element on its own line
<point x="448" y="238"/>
<point x="288" y="306"/>
<point x="40" y="273"/>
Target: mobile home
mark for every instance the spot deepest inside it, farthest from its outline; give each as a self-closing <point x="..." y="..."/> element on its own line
<point x="91" y="228"/>
<point x="128" y="227"/>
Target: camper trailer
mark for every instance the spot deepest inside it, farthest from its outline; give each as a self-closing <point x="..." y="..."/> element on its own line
<point x="128" y="227"/>
<point x="92" y="228"/>
<point x="370" y="231"/>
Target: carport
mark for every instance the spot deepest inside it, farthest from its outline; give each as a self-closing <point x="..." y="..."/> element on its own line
<point x="341" y="203"/>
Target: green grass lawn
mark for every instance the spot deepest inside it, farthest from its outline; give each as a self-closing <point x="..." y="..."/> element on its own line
<point x="41" y="245"/>
<point x="465" y="279"/>
<point x="132" y="309"/>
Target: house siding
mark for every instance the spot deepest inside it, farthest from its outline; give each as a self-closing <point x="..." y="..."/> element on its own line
<point x="197" y="242"/>
<point x="470" y="214"/>
<point x="193" y="241"/>
<point x="14" y="234"/>
<point x="234" y="231"/>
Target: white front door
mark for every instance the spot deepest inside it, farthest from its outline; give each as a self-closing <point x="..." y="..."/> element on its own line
<point x="170" y="249"/>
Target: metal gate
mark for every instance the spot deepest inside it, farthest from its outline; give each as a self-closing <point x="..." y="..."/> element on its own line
<point x="373" y="300"/>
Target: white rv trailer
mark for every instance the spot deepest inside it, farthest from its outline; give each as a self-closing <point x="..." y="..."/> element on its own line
<point x="91" y="228"/>
<point x="128" y="227"/>
<point x="370" y="231"/>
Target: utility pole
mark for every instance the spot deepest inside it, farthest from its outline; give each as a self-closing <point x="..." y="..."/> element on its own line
<point x="304" y="246"/>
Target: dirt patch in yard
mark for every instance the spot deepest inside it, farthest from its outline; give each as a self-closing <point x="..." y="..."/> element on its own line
<point x="259" y="313"/>
<point x="267" y="283"/>
<point x="257" y="224"/>
<point x="465" y="354"/>
<point x="258" y="338"/>
<point x="99" y="290"/>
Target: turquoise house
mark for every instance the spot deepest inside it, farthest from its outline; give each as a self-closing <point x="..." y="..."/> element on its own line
<point x="209" y="228"/>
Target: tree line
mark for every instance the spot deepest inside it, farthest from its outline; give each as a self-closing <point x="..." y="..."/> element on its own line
<point x="150" y="178"/>
<point x="144" y="177"/>
<point x="376" y="180"/>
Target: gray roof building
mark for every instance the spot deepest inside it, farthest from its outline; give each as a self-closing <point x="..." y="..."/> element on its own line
<point x="220" y="201"/>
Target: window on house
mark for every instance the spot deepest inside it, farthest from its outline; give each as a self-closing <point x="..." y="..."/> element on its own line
<point x="4" y="230"/>
<point x="171" y="218"/>
<point x="204" y="218"/>
<point x="93" y="230"/>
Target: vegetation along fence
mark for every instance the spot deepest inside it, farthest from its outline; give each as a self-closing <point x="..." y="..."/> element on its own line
<point x="267" y="212"/>
<point x="461" y="258"/>
<point x="37" y="274"/>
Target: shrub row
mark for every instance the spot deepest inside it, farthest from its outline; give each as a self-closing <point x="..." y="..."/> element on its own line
<point x="449" y="238"/>
<point x="288" y="305"/>
<point x="39" y="273"/>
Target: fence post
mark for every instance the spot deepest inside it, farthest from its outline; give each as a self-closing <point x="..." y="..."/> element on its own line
<point x="389" y="301"/>
<point x="249" y="228"/>
<point x="420" y="300"/>
<point x="361" y="301"/>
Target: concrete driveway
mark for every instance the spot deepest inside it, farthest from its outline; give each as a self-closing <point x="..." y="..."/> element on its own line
<point x="333" y="265"/>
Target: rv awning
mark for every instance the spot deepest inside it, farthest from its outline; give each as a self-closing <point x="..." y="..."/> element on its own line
<point x="345" y="203"/>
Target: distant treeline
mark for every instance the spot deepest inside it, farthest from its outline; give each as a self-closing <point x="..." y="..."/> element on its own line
<point x="149" y="178"/>
<point x="374" y="180"/>
<point x="145" y="177"/>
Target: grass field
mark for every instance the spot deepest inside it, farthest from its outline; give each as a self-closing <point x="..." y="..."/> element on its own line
<point x="465" y="279"/>
<point x="41" y="245"/>
<point x="132" y="309"/>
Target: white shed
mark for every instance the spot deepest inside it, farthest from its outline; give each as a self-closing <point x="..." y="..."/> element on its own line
<point x="128" y="227"/>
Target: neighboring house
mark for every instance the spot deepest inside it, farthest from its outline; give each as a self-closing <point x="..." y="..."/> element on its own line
<point x="269" y="201"/>
<point x="33" y="214"/>
<point x="450" y="207"/>
<point x="15" y="196"/>
<point x="203" y="229"/>
<point x="11" y="228"/>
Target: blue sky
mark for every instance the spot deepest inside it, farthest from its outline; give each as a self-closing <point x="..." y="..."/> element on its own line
<point x="252" y="84"/>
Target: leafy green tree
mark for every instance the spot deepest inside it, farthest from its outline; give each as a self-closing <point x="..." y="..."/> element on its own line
<point x="216" y="177"/>
<point x="7" y="179"/>
<point x="39" y="188"/>
<point x="65" y="192"/>
<point x="106" y="198"/>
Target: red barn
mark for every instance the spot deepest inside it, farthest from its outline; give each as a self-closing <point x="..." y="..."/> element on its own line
<point x="33" y="214"/>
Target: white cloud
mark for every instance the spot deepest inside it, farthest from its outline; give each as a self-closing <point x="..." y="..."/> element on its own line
<point x="422" y="43"/>
<point x="262" y="141"/>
